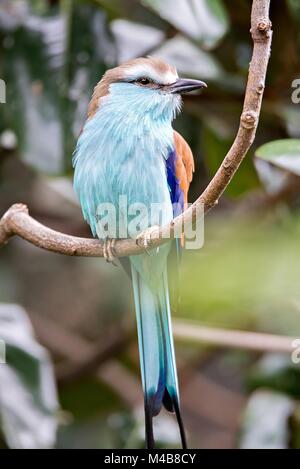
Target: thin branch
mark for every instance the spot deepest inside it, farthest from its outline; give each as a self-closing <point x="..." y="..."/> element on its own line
<point x="262" y="37"/>
<point x="16" y="221"/>
<point x="254" y="341"/>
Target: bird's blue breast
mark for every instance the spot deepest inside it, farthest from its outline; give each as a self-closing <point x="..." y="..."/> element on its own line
<point x="122" y="152"/>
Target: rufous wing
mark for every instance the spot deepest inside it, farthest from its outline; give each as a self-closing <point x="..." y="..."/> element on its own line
<point x="185" y="165"/>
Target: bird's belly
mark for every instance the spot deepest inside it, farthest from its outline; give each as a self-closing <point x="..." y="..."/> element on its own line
<point x="142" y="197"/>
<point x="128" y="181"/>
<point x="145" y="188"/>
<point x="142" y="184"/>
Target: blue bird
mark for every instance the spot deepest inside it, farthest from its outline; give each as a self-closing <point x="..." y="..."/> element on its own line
<point x="129" y="159"/>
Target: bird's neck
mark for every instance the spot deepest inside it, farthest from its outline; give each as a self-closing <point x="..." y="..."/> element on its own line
<point x="132" y="113"/>
<point x="130" y="122"/>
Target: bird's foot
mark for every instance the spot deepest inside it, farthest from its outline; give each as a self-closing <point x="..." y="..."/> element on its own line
<point x="109" y="251"/>
<point x="144" y="239"/>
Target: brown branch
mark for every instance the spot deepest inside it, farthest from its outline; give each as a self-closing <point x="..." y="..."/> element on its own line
<point x="262" y="37"/>
<point x="16" y="221"/>
<point x="254" y="341"/>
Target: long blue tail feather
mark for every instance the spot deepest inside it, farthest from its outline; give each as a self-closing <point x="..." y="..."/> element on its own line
<point x="157" y="357"/>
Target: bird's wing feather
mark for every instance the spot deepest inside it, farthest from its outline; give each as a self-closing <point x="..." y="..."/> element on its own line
<point x="180" y="168"/>
<point x="184" y="164"/>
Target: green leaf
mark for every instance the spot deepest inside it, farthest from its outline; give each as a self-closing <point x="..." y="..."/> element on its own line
<point x="28" y="400"/>
<point x="266" y="421"/>
<point x="276" y="162"/>
<point x="284" y="154"/>
<point x="205" y="21"/>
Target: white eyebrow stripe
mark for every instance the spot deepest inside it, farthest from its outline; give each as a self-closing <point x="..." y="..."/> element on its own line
<point x="139" y="71"/>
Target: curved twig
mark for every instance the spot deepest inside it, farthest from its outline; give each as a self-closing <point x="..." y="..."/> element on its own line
<point x="17" y="221"/>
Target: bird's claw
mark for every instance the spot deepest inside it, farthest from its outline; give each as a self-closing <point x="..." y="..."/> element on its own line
<point x="143" y="240"/>
<point x="109" y="251"/>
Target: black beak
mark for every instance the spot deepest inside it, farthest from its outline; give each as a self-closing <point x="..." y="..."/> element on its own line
<point x="185" y="85"/>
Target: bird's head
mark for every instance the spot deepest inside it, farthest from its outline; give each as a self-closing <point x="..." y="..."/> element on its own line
<point x="145" y="85"/>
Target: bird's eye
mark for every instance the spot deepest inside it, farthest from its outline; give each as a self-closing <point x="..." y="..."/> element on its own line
<point x="144" y="81"/>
